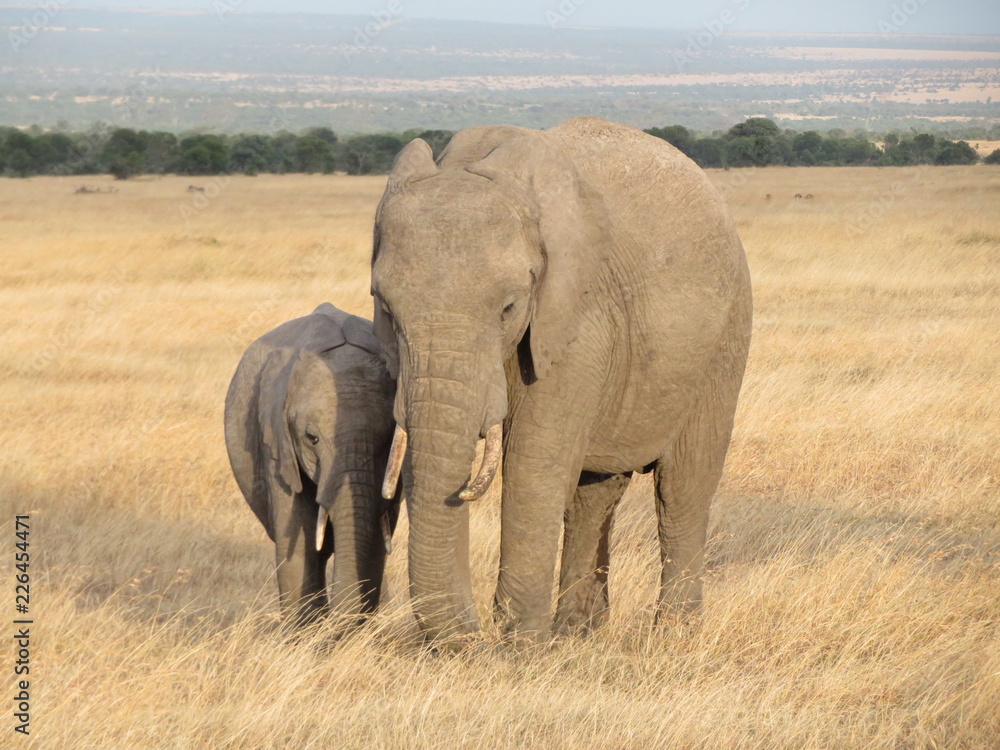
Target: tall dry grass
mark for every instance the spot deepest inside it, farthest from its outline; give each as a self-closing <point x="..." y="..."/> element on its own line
<point x="853" y="596"/>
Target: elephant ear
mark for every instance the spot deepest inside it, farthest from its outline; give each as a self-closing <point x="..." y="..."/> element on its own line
<point x="272" y="412"/>
<point x="471" y="144"/>
<point x="573" y="231"/>
<point x="414" y="163"/>
<point x="385" y="334"/>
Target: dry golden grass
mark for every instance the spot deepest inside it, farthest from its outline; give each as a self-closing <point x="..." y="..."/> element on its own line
<point x="853" y="595"/>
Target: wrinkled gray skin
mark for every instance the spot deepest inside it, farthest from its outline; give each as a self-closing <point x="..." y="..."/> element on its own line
<point x="584" y="285"/>
<point x="309" y="423"/>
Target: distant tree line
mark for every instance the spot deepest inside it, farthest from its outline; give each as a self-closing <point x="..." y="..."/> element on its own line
<point x="759" y="142"/>
<point x="124" y="152"/>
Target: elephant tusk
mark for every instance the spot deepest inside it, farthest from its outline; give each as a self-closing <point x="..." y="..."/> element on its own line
<point x="386" y="533"/>
<point x="395" y="464"/>
<point x="321" y="528"/>
<point x="488" y="469"/>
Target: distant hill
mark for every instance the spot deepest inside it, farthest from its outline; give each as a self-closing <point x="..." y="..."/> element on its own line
<point x="227" y="71"/>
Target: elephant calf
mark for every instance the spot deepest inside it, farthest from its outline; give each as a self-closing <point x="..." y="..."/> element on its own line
<point x="308" y="428"/>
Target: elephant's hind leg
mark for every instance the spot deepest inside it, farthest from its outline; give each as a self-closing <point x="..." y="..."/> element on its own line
<point x="583" y="575"/>
<point x="686" y="480"/>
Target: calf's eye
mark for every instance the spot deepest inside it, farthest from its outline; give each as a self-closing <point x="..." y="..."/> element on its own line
<point x="311" y="438"/>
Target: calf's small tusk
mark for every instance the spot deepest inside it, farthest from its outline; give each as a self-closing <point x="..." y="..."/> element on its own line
<point x="321" y="528"/>
<point x="386" y="533"/>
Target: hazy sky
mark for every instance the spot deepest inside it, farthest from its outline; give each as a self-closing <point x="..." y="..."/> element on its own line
<point x="907" y="16"/>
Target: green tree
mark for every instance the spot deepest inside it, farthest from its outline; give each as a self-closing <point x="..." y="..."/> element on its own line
<point x="676" y="135"/>
<point x="127" y="166"/>
<point x="313" y="154"/>
<point x="59" y="148"/>
<point x="809" y="142"/>
<point x="922" y="148"/>
<point x="950" y="152"/>
<point x="161" y="150"/>
<point x="20" y="153"/>
<point x="708" y="152"/>
<point x="993" y="158"/>
<point x="856" y="152"/>
<point x="324" y="134"/>
<point x="370" y="153"/>
<point x="125" y="153"/>
<point x="285" y="147"/>
<point x="903" y="153"/>
<point x="755" y="127"/>
<point x="745" y="151"/>
<point x="252" y="153"/>
<point x="202" y="155"/>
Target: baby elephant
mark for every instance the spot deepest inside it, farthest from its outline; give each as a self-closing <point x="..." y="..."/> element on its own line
<point x="308" y="428"/>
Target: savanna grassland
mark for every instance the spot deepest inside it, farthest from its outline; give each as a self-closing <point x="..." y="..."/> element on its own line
<point x="853" y="588"/>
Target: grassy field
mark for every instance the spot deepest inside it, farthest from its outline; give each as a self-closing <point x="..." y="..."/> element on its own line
<point x="853" y="590"/>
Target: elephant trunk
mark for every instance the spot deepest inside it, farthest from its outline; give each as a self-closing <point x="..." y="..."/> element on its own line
<point x="352" y="498"/>
<point x="300" y="573"/>
<point x="444" y="414"/>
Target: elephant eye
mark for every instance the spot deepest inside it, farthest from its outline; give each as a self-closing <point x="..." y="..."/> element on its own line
<point x="311" y="438"/>
<point x="385" y="308"/>
<point x="507" y="311"/>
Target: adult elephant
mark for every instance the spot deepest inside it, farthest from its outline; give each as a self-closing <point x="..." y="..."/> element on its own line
<point x="585" y="288"/>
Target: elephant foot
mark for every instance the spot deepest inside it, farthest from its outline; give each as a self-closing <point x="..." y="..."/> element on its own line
<point x="514" y="627"/>
<point x="584" y="607"/>
<point x="466" y="643"/>
<point x="672" y="610"/>
<point x="580" y="621"/>
<point x="304" y="614"/>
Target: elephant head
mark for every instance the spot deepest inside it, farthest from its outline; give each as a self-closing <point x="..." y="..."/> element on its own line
<point x="480" y="265"/>
<point x="308" y="416"/>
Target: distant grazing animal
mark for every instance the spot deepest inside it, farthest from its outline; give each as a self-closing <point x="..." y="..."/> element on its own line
<point x="195" y="189"/>
<point x="767" y="197"/>
<point x="809" y="196"/>
<point x="308" y="428"/>
<point x="798" y="195"/>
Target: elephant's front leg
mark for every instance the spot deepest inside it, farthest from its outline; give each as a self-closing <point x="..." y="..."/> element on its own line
<point x="301" y="569"/>
<point x="583" y="574"/>
<point x="539" y="475"/>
